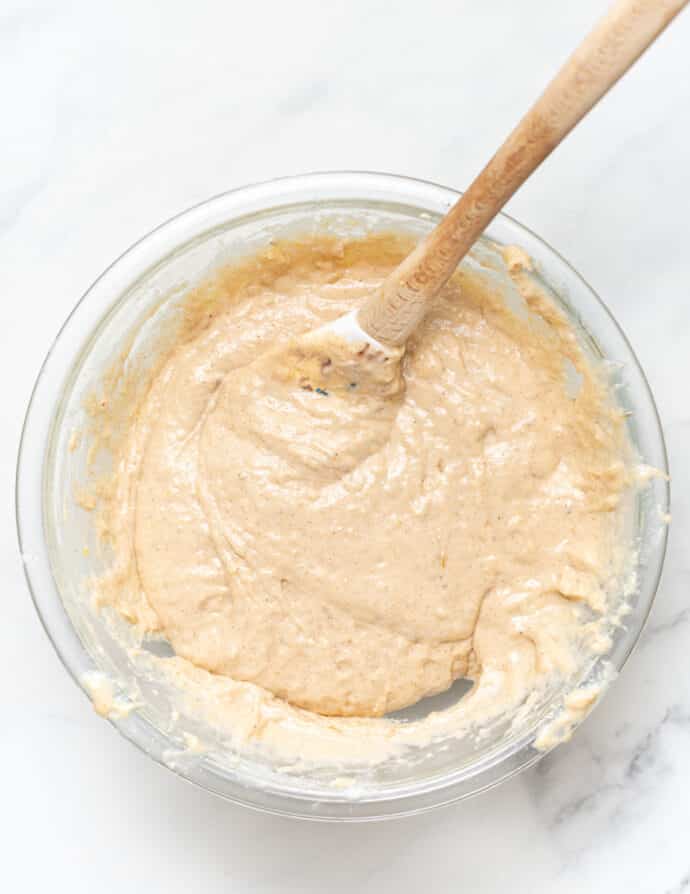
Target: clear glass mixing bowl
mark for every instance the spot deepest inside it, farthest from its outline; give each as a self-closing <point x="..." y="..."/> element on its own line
<point x="59" y="546"/>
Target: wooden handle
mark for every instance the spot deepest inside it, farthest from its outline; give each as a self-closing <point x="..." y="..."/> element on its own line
<point x="602" y="58"/>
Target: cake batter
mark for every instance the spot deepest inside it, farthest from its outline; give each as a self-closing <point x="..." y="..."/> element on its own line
<point x="347" y="534"/>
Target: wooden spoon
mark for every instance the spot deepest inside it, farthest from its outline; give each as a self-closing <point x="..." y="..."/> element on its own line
<point x="390" y="315"/>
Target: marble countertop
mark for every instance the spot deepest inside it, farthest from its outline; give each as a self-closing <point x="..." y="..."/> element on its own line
<point x="118" y="115"/>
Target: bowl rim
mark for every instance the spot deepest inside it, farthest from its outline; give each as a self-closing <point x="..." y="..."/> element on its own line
<point x="27" y="490"/>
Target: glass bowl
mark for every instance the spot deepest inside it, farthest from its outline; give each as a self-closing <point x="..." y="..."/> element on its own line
<point x="128" y="305"/>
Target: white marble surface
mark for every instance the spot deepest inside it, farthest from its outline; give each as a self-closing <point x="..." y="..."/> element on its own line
<point x="118" y="114"/>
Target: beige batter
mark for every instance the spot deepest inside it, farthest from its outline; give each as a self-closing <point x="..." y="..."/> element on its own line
<point x="348" y="534"/>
